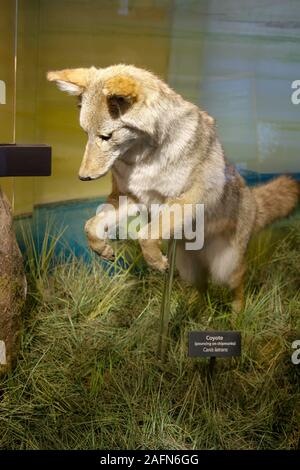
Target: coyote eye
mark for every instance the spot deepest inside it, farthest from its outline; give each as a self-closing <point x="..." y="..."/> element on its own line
<point x="105" y="137"/>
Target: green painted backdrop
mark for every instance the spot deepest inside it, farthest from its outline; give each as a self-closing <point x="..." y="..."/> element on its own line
<point x="76" y="33"/>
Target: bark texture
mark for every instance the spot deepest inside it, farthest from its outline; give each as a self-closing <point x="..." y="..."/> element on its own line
<point x="12" y="288"/>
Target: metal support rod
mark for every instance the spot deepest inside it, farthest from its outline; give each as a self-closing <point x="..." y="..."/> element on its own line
<point x="165" y="304"/>
<point x="211" y="368"/>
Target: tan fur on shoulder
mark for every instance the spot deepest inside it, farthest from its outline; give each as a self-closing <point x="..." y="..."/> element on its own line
<point x="207" y="118"/>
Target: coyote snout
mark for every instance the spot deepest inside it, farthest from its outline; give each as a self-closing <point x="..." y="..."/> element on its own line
<point x="96" y="162"/>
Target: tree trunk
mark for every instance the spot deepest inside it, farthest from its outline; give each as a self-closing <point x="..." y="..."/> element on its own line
<point x="12" y="288"/>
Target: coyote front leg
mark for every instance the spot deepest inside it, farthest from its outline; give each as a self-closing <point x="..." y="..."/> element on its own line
<point x="105" y="217"/>
<point x="97" y="244"/>
<point x="151" y="235"/>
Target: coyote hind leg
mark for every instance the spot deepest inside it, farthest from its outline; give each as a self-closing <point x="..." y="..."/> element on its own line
<point x="192" y="267"/>
<point x="236" y="283"/>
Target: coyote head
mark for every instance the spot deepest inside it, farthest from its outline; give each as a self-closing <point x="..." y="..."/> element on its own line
<point x="117" y="111"/>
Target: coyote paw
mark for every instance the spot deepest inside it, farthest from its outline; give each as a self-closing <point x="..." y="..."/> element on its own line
<point x="161" y="264"/>
<point x="108" y="253"/>
<point x="102" y="249"/>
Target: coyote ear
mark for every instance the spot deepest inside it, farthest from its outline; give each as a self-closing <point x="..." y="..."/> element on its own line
<point x="73" y="81"/>
<point x="121" y="90"/>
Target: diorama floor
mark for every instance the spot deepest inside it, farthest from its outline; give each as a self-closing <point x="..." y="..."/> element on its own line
<point x="88" y="375"/>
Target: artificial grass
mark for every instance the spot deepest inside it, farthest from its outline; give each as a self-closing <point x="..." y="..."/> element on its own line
<point x="88" y="375"/>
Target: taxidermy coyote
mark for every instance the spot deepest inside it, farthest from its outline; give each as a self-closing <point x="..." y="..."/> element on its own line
<point x="163" y="149"/>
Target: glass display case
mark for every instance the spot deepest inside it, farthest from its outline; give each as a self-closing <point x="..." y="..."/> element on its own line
<point x="235" y="62"/>
<point x="88" y="374"/>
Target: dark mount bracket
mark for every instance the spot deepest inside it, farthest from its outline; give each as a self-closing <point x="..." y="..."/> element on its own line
<point x="25" y="160"/>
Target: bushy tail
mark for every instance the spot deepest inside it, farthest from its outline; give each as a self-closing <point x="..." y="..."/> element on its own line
<point x="275" y="199"/>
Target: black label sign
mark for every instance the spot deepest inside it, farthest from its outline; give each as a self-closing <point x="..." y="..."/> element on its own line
<point x="214" y="343"/>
